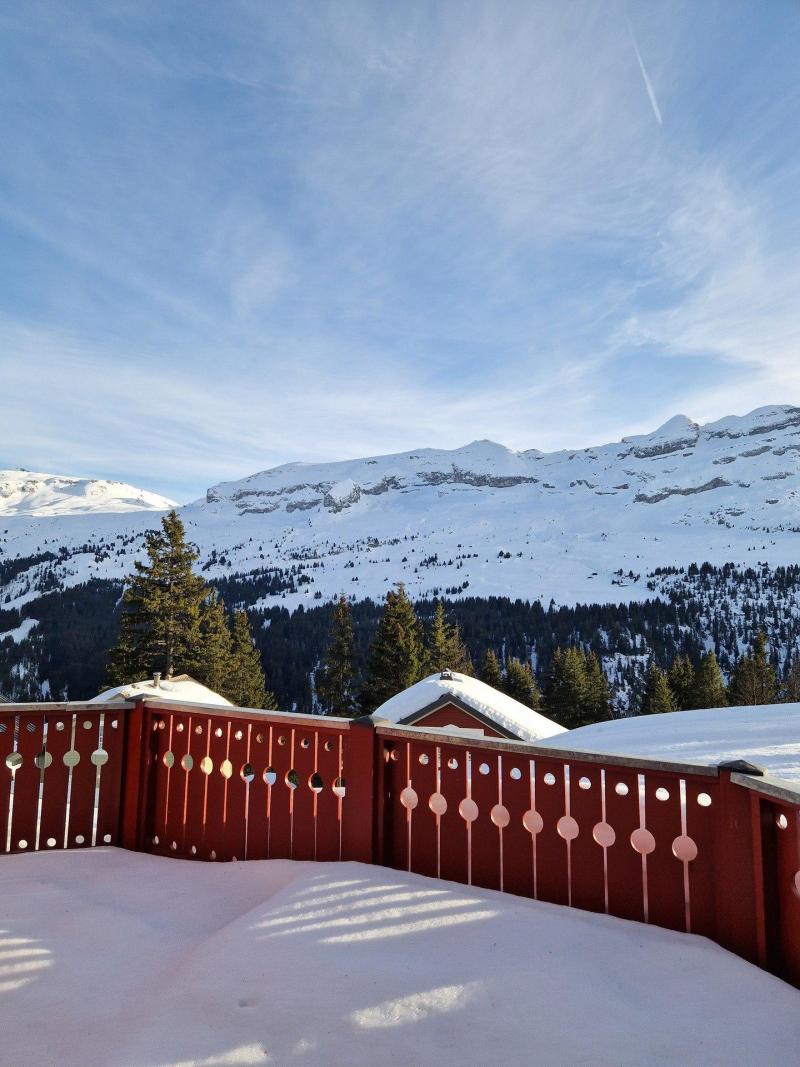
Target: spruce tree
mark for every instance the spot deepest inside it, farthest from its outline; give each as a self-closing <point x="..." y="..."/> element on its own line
<point x="335" y="680"/>
<point x="211" y="663"/>
<point x="753" y="680"/>
<point x="160" y="622"/>
<point x="396" y="656"/>
<point x="566" y="689"/>
<point x="597" y="703"/>
<point x="790" y="691"/>
<point x="490" y="670"/>
<point x="245" y="685"/>
<point x="520" y="684"/>
<point x="657" y="696"/>
<point x="681" y="682"/>
<point x="443" y="645"/>
<point x="709" y="685"/>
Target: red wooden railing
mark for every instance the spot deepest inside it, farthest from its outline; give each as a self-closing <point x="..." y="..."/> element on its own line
<point x="709" y="850"/>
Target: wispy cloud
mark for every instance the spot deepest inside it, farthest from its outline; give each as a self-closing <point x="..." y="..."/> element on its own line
<point x="238" y="240"/>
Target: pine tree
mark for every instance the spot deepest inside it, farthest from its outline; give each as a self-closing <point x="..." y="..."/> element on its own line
<point x="245" y="685"/>
<point x="657" y="696"/>
<point x="753" y="680"/>
<point x="681" y="681"/>
<point x="566" y="690"/>
<point x="396" y="657"/>
<point x="443" y="645"/>
<point x="212" y="662"/>
<point x="709" y="685"/>
<point x="598" y="696"/>
<point x="335" y="680"/>
<point x="160" y="622"/>
<point x="790" y="691"/>
<point x="490" y="670"/>
<point x="520" y="684"/>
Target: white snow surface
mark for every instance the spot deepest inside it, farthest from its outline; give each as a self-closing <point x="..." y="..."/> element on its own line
<point x="21" y="632"/>
<point x="29" y="493"/>
<point x="767" y="736"/>
<point x="120" y="959"/>
<point x="181" y="687"/>
<point x="527" y="724"/>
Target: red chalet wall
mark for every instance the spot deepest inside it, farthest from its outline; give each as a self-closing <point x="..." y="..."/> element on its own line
<point x="450" y="715"/>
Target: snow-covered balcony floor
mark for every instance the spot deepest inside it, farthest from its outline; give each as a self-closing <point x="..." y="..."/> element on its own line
<point x="112" y="957"/>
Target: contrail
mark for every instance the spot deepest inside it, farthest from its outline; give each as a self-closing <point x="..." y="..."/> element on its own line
<point x="647" y="84"/>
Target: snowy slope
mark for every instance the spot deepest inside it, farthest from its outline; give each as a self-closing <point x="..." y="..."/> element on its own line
<point x="27" y="493"/>
<point x="119" y="958"/>
<point x="766" y="736"/>
<point x="480" y="520"/>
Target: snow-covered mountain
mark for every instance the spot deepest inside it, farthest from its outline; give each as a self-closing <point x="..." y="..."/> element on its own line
<point x="27" y="493"/>
<point x="586" y="525"/>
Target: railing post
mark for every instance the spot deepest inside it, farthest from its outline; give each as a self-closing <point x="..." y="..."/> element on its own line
<point x="135" y="776"/>
<point x="738" y="868"/>
<point x="359" y="817"/>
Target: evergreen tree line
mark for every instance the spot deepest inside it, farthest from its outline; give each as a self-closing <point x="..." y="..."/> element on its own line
<point x="404" y="651"/>
<point x="754" y="681"/>
<point x="173" y="621"/>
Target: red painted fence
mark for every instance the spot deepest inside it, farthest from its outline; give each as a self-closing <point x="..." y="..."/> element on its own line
<point x="707" y="850"/>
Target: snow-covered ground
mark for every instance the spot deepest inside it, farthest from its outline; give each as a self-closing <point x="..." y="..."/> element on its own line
<point x="115" y="958"/>
<point x="768" y="736"/>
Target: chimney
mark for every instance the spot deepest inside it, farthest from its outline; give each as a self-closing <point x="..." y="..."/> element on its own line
<point x="157" y="680"/>
<point x="446" y="675"/>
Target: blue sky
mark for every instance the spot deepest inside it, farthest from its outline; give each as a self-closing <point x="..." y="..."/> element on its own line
<point x="237" y="234"/>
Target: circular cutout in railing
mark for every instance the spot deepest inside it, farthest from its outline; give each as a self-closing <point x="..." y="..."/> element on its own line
<point x="292" y="779"/>
<point x="621" y="789"/>
<point x="226" y="768"/>
<point x="100" y="757"/>
<point x="452" y="763"/>
<point x="340" y="787"/>
<point x="437" y="804"/>
<point x="781" y="821"/>
<point x="23" y="843"/>
<point x="515" y="773"/>
<point x="43" y="759"/>
<point x="484" y="768"/>
<point x="270" y="776"/>
<point x="218" y="732"/>
<point x="533" y="822"/>
<point x="14" y="761"/>
<point x="796" y="885"/>
<point x="260" y="739"/>
<point x="30" y="727"/>
<point x="106" y="839"/>
<point x="315" y="783"/>
<point x="3" y="727"/>
<point x="247" y="773"/>
<point x="424" y="759"/>
<point x="549" y="779"/>
<point x="684" y="849"/>
<point x="642" y="841"/>
<point x="79" y="839"/>
<point x="198" y="729"/>
<point x="281" y="740"/>
<point x="179" y="728"/>
<point x="238" y="735"/>
<point x="305" y="743"/>
<point x="71" y="758"/>
<point x="187" y="762"/>
<point x="585" y="783"/>
<point x="408" y="798"/>
<point x="704" y="800"/>
<point x="468" y="809"/>
<point x="168" y="759"/>
<point x="88" y="724"/>
<point x="328" y="746"/>
<point x="500" y="816"/>
<point x="59" y="726"/>
<point x="51" y="842"/>
<point x="604" y="834"/>
<point x="206" y="765"/>
<point x="662" y="793"/>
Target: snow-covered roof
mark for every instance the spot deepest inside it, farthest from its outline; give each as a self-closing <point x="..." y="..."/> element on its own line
<point x="504" y="711"/>
<point x="181" y="687"/>
<point x="768" y="736"/>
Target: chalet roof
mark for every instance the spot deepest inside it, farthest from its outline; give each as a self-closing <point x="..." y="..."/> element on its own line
<point x="180" y="687"/>
<point x="510" y="716"/>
